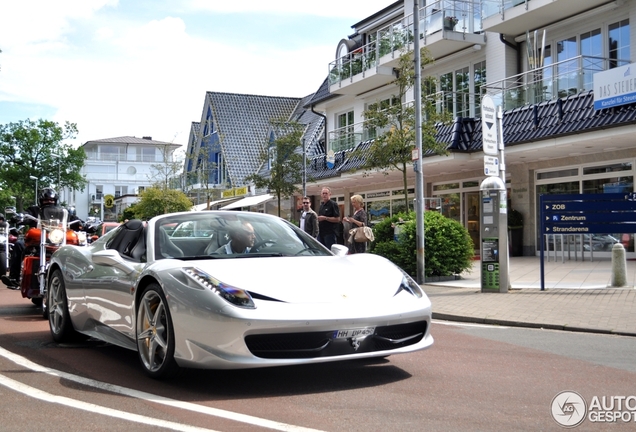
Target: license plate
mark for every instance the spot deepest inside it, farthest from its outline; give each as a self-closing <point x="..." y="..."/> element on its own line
<point x="350" y="333"/>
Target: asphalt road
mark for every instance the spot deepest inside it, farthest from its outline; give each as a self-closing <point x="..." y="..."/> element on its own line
<point x="475" y="378"/>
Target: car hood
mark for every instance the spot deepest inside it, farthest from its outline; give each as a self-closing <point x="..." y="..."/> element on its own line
<point x="309" y="279"/>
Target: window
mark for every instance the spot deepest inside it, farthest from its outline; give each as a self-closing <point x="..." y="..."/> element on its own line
<point x="99" y="192"/>
<point x="592" y="47"/>
<point x="109" y="153"/>
<point x="120" y="190"/>
<point x="619" y="46"/>
<point x="343" y="137"/>
<point x="462" y="92"/>
<point x="479" y="80"/>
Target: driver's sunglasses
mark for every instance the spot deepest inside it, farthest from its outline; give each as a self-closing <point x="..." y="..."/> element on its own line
<point x="305" y="203"/>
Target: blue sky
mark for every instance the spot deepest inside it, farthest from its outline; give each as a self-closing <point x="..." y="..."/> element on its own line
<point x="142" y="67"/>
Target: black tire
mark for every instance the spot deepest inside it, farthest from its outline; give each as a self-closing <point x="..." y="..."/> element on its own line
<point x="37" y="301"/>
<point x="60" y="323"/>
<point x="155" y="334"/>
<point x="3" y="263"/>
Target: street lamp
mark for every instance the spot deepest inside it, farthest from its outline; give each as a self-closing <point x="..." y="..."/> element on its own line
<point x="36" y="188"/>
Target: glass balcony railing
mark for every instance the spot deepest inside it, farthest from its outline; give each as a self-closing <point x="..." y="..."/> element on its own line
<point x="451" y="15"/>
<point x="497" y="7"/>
<point x="565" y="78"/>
<point x="348" y="137"/>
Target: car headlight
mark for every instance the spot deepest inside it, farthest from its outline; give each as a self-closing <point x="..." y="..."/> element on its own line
<point x="409" y="285"/>
<point x="235" y="296"/>
<point x="56" y="236"/>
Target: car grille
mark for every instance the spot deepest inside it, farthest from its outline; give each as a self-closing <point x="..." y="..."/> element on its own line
<point x="322" y="344"/>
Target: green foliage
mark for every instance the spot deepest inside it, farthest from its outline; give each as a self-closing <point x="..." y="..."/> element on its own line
<point x="36" y="148"/>
<point x="447" y="244"/>
<point x="396" y="124"/>
<point x="286" y="169"/>
<point x="156" y="201"/>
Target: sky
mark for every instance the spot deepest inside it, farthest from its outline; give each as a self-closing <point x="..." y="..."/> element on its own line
<point x="142" y="67"/>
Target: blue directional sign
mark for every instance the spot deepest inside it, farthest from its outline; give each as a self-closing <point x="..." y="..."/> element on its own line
<point x="588" y="213"/>
<point x="608" y="213"/>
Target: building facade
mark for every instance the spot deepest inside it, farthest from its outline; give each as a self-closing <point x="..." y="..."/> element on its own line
<point x="117" y="169"/>
<point x="537" y="59"/>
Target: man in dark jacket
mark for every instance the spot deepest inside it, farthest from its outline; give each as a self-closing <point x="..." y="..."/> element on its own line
<point x="309" y="219"/>
<point x="328" y="219"/>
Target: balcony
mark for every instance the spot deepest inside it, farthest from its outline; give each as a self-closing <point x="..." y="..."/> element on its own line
<point x="445" y="27"/>
<point x="558" y="80"/>
<point x="348" y="137"/>
<point x="514" y="17"/>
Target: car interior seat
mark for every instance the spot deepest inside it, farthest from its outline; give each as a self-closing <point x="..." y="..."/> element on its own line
<point x="129" y="241"/>
<point x="217" y="239"/>
<point x="167" y="249"/>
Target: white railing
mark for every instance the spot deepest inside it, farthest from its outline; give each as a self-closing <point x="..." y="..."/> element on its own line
<point x="565" y="78"/>
<point x="452" y="15"/>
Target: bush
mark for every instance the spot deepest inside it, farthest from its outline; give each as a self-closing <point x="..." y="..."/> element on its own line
<point x="447" y="245"/>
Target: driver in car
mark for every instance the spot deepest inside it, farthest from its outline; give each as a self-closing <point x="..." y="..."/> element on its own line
<point x="242" y="238"/>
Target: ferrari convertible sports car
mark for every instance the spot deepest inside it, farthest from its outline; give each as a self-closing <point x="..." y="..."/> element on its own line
<point x="232" y="290"/>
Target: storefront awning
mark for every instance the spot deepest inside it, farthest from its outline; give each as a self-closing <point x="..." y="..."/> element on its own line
<point x="248" y="201"/>
<point x="204" y="206"/>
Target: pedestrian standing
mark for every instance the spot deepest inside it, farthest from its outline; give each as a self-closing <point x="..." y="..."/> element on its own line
<point x="358" y="221"/>
<point x="309" y="219"/>
<point x="328" y="219"/>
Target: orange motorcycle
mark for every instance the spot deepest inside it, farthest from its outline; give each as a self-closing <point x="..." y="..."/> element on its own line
<point x="39" y="244"/>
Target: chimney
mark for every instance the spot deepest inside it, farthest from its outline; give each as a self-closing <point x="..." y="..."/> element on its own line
<point x="148" y="138"/>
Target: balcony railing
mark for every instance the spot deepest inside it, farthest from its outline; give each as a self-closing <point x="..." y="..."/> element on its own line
<point x="558" y="80"/>
<point x="451" y="15"/>
<point x="348" y="137"/>
<point x="121" y="158"/>
<point x="493" y="7"/>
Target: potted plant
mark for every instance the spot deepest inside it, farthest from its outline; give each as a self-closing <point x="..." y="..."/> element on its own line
<point x="515" y="232"/>
<point x="450" y="22"/>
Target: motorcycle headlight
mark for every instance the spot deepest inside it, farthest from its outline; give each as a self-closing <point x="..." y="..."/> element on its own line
<point x="81" y="238"/>
<point x="56" y="236"/>
<point x="235" y="296"/>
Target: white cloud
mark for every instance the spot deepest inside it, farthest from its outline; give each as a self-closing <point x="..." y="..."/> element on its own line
<point x="116" y="74"/>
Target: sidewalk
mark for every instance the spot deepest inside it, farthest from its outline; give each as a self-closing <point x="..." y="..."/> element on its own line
<point x="576" y="297"/>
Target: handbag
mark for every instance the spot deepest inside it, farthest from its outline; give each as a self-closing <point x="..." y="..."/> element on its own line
<point x="362" y="234"/>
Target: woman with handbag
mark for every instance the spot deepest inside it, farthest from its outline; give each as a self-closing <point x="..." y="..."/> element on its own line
<point x="358" y="222"/>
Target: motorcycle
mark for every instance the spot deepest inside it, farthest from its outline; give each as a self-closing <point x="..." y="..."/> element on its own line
<point x="5" y="249"/>
<point x="40" y="243"/>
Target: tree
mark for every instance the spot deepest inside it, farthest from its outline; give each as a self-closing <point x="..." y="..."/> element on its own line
<point x="35" y="148"/>
<point x="394" y="123"/>
<point x="164" y="172"/>
<point x="284" y="162"/>
<point x="156" y="201"/>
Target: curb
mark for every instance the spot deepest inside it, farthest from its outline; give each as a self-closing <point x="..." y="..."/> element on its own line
<point x="490" y="321"/>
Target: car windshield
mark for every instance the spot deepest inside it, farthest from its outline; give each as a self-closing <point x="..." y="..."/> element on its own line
<point x="225" y="234"/>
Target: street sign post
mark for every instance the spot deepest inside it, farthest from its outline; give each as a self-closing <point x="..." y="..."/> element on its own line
<point x="491" y="166"/>
<point x="489" y="126"/>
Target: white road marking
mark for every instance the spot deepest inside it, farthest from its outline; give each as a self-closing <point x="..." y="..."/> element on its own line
<point x="74" y="403"/>
<point x="243" y="418"/>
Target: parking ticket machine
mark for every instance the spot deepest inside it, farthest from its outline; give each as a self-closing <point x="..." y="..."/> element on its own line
<point x="494" y="236"/>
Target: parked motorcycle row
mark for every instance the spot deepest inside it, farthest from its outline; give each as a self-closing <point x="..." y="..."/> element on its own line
<point x="31" y="238"/>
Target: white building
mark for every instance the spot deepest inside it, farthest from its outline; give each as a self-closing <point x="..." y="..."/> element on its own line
<point x="117" y="169"/>
<point x="536" y="58"/>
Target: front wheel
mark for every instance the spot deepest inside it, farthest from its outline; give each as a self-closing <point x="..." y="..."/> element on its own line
<point x="155" y="334"/>
<point x="3" y="263"/>
<point x="60" y="323"/>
